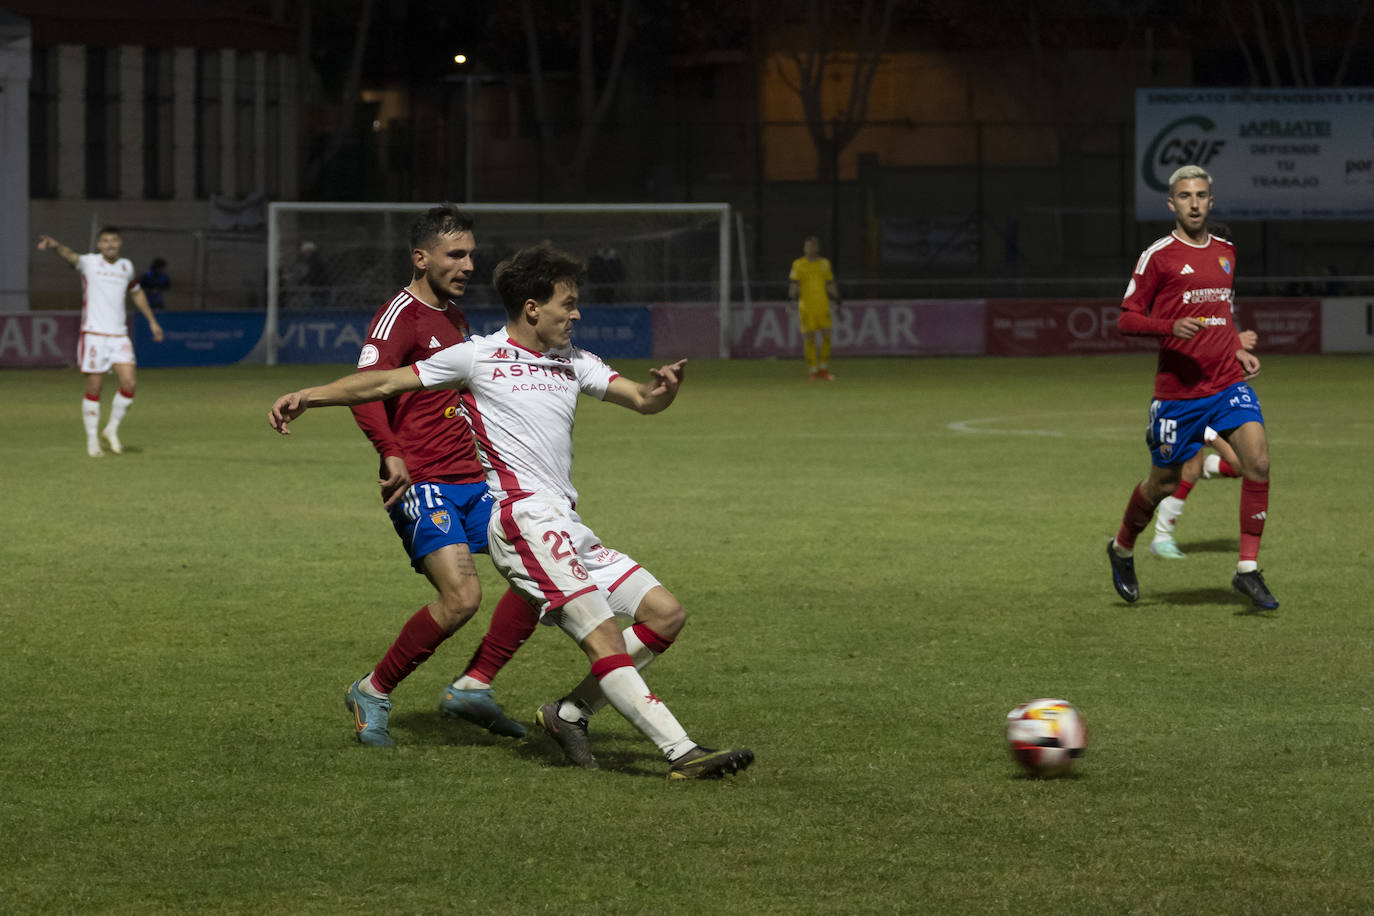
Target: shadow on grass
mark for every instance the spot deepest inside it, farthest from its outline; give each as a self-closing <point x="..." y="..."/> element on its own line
<point x="613" y="754"/>
<point x="1195" y="597"/>
<point x="1215" y="545"/>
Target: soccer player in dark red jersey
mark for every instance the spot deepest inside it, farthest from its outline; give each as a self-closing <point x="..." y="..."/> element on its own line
<point x="433" y="485"/>
<point x="1181" y="292"/>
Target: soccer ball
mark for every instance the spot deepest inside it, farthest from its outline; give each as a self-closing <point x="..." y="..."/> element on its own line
<point x="1046" y="736"/>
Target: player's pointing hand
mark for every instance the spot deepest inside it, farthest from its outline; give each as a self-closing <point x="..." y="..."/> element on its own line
<point x="287" y="408"/>
<point x="669" y="377"/>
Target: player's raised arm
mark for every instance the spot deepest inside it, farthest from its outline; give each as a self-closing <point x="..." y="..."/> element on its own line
<point x="356" y="388"/>
<point x="48" y="243"/>
<point x="652" y="396"/>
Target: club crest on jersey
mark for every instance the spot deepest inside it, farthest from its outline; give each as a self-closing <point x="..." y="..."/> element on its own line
<point x="1225" y="263"/>
<point x="368" y="356"/>
<point x="1164" y="452"/>
<point x="441" y="520"/>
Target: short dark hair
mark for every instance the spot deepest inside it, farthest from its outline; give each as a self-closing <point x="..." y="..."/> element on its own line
<point x="532" y="273"/>
<point x="158" y="263"/>
<point x="437" y="221"/>
<point x="107" y="230"/>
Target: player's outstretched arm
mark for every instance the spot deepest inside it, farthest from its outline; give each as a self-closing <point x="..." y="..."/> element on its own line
<point x="652" y="396"/>
<point x="48" y="243"/>
<point x="1249" y="339"/>
<point x="357" y="388"/>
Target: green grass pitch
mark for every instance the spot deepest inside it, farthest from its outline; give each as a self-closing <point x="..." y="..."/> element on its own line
<point x="875" y="571"/>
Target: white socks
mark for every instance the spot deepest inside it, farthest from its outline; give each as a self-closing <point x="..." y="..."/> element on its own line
<point x="90" y="418"/>
<point x="587" y="697"/>
<point x="118" y="408"/>
<point x="631" y="698"/>
<point x="365" y="685"/>
<point x="1166" y="516"/>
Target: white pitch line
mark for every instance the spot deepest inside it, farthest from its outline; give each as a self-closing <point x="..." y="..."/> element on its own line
<point x="966" y="426"/>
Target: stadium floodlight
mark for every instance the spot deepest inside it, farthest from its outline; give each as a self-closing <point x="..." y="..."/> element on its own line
<point x="664" y="253"/>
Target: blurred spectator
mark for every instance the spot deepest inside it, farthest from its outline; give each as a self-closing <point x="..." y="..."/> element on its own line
<point x="605" y="271"/>
<point x="308" y="277"/>
<point x="1333" y="287"/>
<point x="155" y="282"/>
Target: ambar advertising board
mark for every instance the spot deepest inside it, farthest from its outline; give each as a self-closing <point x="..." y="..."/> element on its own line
<point x="1272" y="153"/>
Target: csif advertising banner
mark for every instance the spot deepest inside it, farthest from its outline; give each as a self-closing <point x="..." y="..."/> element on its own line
<point x="1272" y="153"/>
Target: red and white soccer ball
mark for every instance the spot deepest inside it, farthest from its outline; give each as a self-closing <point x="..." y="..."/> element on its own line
<point x="1046" y="736"/>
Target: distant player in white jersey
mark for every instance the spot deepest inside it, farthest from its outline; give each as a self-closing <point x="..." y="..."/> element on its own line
<point x="520" y="391"/>
<point x="106" y="279"/>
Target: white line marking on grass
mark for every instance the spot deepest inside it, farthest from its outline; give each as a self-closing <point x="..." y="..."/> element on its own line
<point x="968" y="426"/>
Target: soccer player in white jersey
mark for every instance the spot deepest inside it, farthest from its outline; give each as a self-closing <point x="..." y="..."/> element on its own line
<point x="106" y="279"/>
<point x="520" y="391"/>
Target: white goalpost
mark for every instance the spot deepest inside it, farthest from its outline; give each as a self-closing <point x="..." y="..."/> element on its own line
<point x="353" y="256"/>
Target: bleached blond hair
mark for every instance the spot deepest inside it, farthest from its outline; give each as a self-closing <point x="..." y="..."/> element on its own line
<point x="1183" y="173"/>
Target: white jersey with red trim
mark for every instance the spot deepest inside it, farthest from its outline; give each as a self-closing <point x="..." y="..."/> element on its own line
<point x="521" y="405"/>
<point x="103" y="288"/>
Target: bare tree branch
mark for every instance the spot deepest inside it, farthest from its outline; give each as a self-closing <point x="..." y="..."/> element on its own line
<point x="830" y="136"/>
<point x="1265" y="48"/>
<point x="1339" y="78"/>
<point x="1304" y="46"/>
<point x="593" y="105"/>
<point x="1240" y="40"/>
<point x="1289" y="45"/>
<point x="352" y="81"/>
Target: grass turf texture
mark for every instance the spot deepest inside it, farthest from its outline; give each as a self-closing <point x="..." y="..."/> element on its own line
<point x="875" y="571"/>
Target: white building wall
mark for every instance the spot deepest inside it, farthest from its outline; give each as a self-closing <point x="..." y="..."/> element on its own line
<point x="173" y="229"/>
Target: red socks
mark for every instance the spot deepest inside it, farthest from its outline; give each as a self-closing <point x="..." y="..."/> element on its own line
<point x="512" y="622"/>
<point x="1225" y="469"/>
<point x="416" y="643"/>
<point x="1254" y="508"/>
<point x="1184" y="488"/>
<point x="651" y="640"/>
<point x="604" y="666"/>
<point x="1138" y="513"/>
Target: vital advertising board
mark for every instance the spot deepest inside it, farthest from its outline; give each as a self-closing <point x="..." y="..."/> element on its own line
<point x="1272" y="153"/>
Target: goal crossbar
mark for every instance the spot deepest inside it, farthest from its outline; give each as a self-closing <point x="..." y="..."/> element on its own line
<point x="275" y="211"/>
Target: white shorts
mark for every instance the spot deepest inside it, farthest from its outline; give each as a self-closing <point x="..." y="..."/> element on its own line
<point x="96" y="353"/>
<point x="545" y="552"/>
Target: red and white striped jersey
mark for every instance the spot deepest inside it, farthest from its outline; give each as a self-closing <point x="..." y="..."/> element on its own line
<point x="103" y="288"/>
<point x="521" y="405"/>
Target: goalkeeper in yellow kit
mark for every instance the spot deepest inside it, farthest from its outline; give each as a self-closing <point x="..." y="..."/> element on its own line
<point x="812" y="286"/>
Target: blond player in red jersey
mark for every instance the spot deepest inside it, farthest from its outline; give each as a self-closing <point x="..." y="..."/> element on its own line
<point x="104" y="343"/>
<point x="1181" y="292"/>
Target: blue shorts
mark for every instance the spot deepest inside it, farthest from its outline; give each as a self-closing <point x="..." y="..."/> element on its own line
<point x="434" y="515"/>
<point x="1177" y="428"/>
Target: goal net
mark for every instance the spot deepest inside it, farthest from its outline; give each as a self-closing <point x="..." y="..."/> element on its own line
<point x="354" y="256"/>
